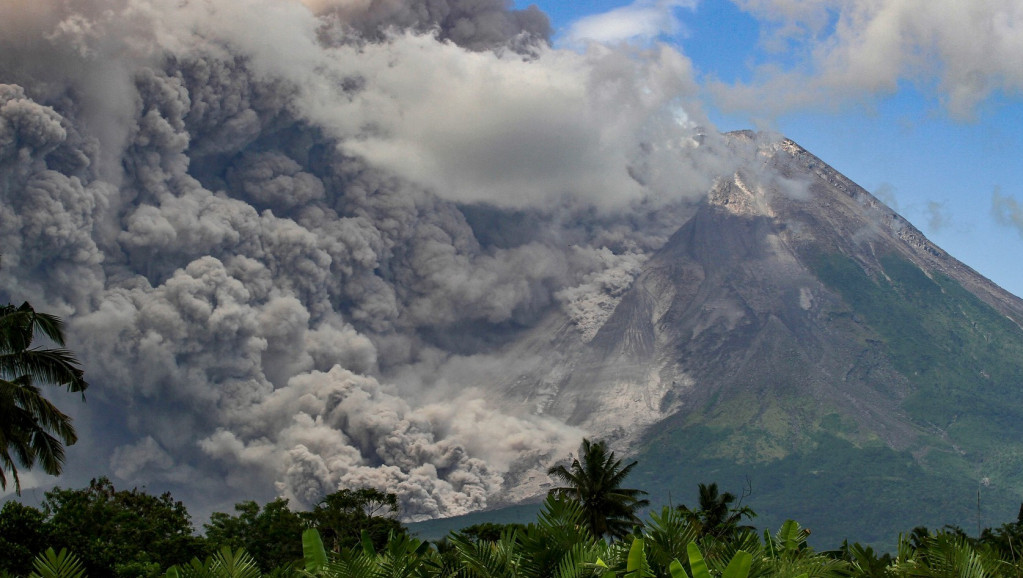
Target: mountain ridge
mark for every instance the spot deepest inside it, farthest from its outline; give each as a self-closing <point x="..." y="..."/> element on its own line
<point x="792" y="305"/>
<point x="999" y="298"/>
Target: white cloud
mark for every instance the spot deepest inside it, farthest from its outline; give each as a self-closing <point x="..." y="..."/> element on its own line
<point x="484" y="127"/>
<point x="642" y="21"/>
<point x="858" y="49"/>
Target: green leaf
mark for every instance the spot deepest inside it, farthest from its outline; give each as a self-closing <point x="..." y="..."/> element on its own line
<point x="696" y="562"/>
<point x="637" y="557"/>
<point x="233" y="564"/>
<point x="313" y="551"/>
<point x="367" y="544"/>
<point x="676" y="569"/>
<point x="422" y="550"/>
<point x="739" y="566"/>
<point x="789" y="535"/>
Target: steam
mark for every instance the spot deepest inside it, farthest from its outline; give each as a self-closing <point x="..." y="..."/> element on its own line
<point x="289" y="259"/>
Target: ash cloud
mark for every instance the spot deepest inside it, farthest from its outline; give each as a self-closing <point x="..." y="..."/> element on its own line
<point x="473" y="24"/>
<point x="274" y="251"/>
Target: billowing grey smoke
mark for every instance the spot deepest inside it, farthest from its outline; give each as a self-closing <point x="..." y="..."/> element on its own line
<point x="473" y="24"/>
<point x="291" y="264"/>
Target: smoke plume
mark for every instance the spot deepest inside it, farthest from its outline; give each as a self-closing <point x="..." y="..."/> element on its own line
<point x="291" y="239"/>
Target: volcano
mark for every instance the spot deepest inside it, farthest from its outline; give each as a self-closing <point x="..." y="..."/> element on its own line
<point x="386" y="259"/>
<point x="798" y="340"/>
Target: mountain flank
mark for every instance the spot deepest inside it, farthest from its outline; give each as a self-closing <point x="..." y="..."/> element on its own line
<point x="798" y="336"/>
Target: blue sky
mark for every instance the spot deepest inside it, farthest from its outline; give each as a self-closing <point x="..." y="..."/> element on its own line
<point x="931" y="122"/>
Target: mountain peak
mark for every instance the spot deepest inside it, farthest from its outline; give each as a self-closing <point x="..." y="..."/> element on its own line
<point x="791" y="305"/>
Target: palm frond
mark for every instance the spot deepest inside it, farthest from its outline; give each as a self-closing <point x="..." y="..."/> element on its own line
<point x="667" y="535"/>
<point x="51" y="564"/>
<point x="482" y="559"/>
<point x="234" y="564"/>
<point x="18" y="324"/>
<point x="32" y="428"/>
<point x="53" y="366"/>
<point x="403" y="557"/>
<point x="576" y="562"/>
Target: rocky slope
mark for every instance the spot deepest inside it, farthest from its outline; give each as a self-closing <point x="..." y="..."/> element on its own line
<point x="794" y="305"/>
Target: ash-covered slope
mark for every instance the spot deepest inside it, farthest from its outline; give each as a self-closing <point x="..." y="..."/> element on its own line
<point x="795" y="314"/>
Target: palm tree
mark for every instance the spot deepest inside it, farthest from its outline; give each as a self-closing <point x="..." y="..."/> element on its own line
<point x="32" y="428"/>
<point x="716" y="516"/>
<point x="595" y="482"/>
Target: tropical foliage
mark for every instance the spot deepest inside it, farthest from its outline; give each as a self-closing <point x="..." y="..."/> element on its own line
<point x="558" y="546"/>
<point x="104" y="532"/>
<point x="61" y="564"/>
<point x="32" y="429"/>
<point x="120" y="532"/>
<point x="716" y="517"/>
<point x="594" y="480"/>
<point x="226" y="563"/>
<point x="267" y="534"/>
<point x="345" y="516"/>
<point x="130" y="533"/>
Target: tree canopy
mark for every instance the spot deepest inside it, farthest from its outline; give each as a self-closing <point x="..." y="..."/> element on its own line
<point x="120" y="533"/>
<point x="271" y="534"/>
<point x="716" y="516"/>
<point x="343" y="516"/>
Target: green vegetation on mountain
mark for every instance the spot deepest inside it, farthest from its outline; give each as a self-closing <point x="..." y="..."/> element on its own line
<point x="870" y="490"/>
<point x="962" y="356"/>
<point x="963" y="359"/>
<point x="960" y="365"/>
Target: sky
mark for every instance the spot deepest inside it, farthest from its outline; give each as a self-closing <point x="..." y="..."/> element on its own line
<point x="920" y="103"/>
